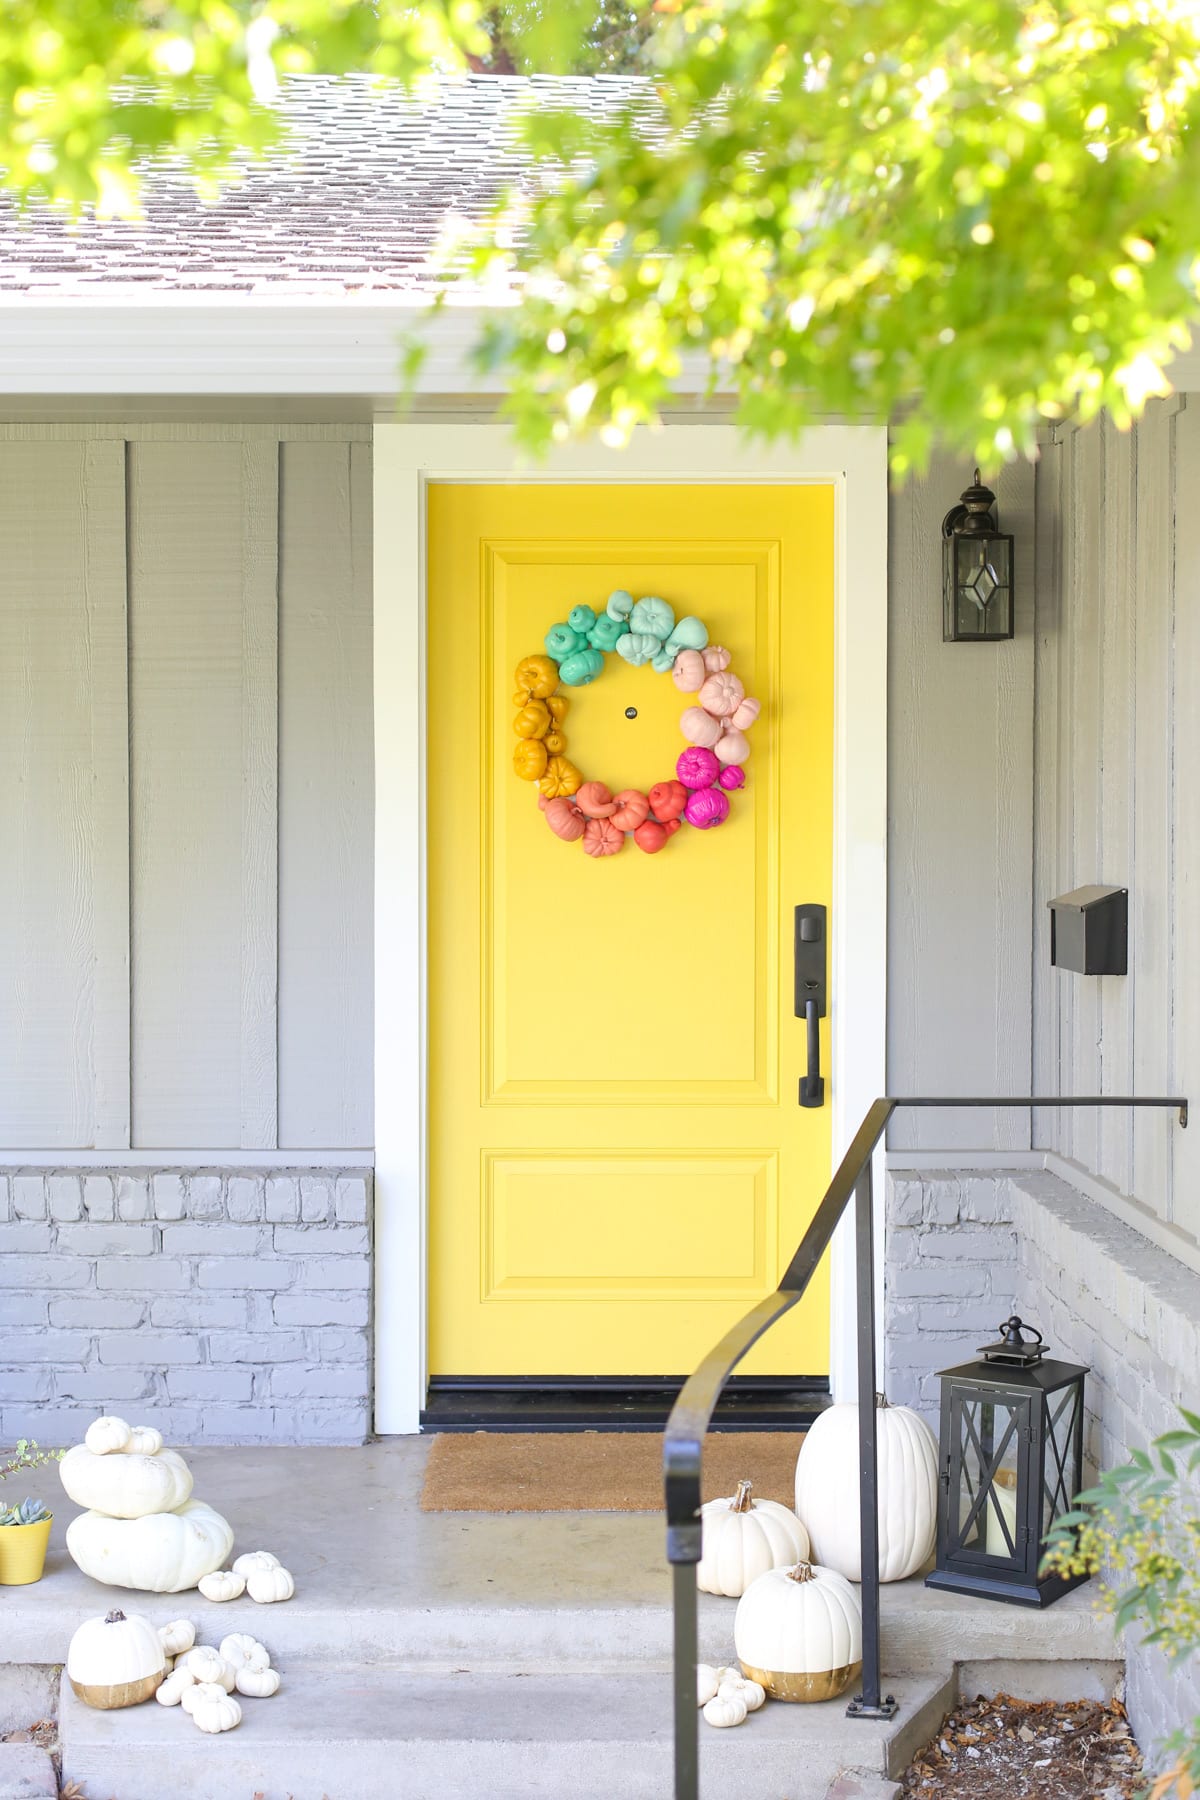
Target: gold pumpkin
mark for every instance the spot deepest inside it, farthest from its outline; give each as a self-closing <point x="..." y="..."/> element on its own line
<point x="530" y="760"/>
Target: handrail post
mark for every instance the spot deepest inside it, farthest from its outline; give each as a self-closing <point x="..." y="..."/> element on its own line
<point x="871" y="1703"/>
<point x="687" y="1718"/>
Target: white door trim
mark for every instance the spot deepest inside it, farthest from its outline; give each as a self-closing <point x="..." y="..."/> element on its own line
<point x="407" y="458"/>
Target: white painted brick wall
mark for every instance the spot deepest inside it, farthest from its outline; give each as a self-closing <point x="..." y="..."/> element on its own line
<point x="963" y="1251"/>
<point x="230" y="1308"/>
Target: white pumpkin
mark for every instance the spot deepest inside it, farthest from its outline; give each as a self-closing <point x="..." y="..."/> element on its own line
<point x="105" y="1436"/>
<point x="743" y="1538"/>
<point x="706" y="1683"/>
<point x="214" y="1710"/>
<point x="163" y="1553"/>
<point x="798" y="1633"/>
<point x="241" y="1651"/>
<point x="222" y="1584"/>
<point x="268" y="1585"/>
<point x="725" y="1710"/>
<point x="175" y="1687"/>
<point x="177" y="1637"/>
<point x="827" y="1490"/>
<point x="260" y="1684"/>
<point x="128" y="1486"/>
<point x="208" y="1667"/>
<point x="254" y="1559"/>
<point x="115" y="1660"/>
<point x="144" y="1441"/>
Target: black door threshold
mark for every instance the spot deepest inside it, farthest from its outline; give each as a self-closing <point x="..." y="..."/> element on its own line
<point x="615" y="1403"/>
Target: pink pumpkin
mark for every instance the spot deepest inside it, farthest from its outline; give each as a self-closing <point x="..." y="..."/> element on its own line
<point x="732" y="777"/>
<point x="632" y="808"/>
<point x="595" y="800"/>
<point x="721" y="695"/>
<point x="601" y="838"/>
<point x="706" y="808"/>
<point x="746" y="714"/>
<point x="564" y="819"/>
<point x="697" y="767"/>
<point x="699" y="727"/>
<point x="732" y="747"/>
<point x="667" y="800"/>
<point x="716" y="658"/>
<point x="688" y="671"/>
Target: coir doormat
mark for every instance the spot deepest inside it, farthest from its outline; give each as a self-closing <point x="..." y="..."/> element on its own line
<point x="594" y="1471"/>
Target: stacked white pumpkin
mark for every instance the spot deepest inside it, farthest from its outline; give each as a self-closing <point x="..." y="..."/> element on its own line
<point x="118" y="1661"/>
<point x="142" y="1528"/>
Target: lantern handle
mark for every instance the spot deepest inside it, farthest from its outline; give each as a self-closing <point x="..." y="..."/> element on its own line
<point x="1014" y="1331"/>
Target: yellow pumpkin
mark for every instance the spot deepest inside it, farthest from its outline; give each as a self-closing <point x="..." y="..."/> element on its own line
<point x="533" y="720"/>
<point x="560" y="777"/>
<point x="556" y="706"/>
<point x="537" y="677"/>
<point x="530" y="761"/>
<point x="555" y="741"/>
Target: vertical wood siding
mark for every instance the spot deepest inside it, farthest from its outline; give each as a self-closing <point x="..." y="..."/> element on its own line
<point x="186" y="815"/>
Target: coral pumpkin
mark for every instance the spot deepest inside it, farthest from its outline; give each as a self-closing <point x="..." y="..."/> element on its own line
<point x="564" y="819"/>
<point x="651" y="836"/>
<point x="632" y="808"/>
<point x="667" y="800"/>
<point x="595" y="800"/>
<point x="601" y="838"/>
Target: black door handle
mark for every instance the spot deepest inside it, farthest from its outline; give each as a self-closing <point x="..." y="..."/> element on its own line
<point x="810" y="995"/>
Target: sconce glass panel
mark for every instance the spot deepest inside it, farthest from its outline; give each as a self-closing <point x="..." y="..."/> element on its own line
<point x="977" y="587"/>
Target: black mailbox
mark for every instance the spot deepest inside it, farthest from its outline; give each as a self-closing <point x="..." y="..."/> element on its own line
<point x="1089" y="931"/>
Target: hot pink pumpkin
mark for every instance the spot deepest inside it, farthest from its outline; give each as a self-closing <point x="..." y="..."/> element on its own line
<point x="699" y="727"/>
<point x="721" y="695"/>
<point x="688" y="671"/>
<point x="667" y="800"/>
<point x="732" y="777"/>
<point x="632" y="808"/>
<point x="732" y="747"/>
<point x="595" y="800"/>
<point x="746" y="714"/>
<point x="697" y="767"/>
<point x="601" y="838"/>
<point x="564" y="819"/>
<point x="716" y="658"/>
<point x="708" y="807"/>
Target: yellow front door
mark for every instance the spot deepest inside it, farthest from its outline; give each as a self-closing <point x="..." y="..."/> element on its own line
<point x="618" y="1164"/>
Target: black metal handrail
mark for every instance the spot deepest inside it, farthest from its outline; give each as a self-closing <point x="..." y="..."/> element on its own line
<point x="683" y="1440"/>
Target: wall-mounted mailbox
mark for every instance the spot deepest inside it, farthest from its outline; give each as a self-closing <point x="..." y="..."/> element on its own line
<point x="1089" y="931"/>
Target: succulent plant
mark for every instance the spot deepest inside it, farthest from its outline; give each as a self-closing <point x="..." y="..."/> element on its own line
<point x="29" y="1512"/>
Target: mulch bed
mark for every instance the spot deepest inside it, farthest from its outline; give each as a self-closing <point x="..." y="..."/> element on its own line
<point x="1006" y="1749"/>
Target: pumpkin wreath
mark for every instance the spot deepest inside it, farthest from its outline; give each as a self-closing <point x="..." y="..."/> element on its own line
<point x="714" y="725"/>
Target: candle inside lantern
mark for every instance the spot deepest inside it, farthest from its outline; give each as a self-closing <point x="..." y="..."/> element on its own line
<point x="1004" y="1495"/>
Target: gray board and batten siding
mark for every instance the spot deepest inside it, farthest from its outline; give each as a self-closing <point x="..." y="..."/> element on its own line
<point x="186" y="812"/>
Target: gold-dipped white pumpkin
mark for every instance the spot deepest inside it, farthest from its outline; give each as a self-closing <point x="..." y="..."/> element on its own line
<point x="827" y="1490"/>
<point x="163" y="1553"/>
<point x="128" y="1486"/>
<point x="743" y="1538"/>
<point x="116" y="1661"/>
<point x="798" y="1633"/>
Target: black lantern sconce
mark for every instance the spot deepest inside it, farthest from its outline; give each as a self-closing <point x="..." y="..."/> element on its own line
<point x="1011" y="1456"/>
<point x="977" y="571"/>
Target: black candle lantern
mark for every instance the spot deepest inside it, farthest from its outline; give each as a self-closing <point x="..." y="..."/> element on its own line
<point x="1010" y="1463"/>
<point x="977" y="571"/>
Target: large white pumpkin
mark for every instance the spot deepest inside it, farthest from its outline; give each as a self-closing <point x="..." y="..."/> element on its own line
<point x="128" y="1486"/>
<point x="827" y="1490"/>
<point x="798" y="1633"/>
<point x="743" y="1538"/>
<point x="163" y="1553"/>
<point x="115" y="1661"/>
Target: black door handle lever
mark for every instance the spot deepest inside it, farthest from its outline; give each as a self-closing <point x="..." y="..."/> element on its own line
<point x="812" y="1085"/>
<point x="810" y="985"/>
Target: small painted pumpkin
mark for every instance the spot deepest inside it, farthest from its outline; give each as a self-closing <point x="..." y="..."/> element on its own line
<point x="595" y="800"/>
<point x="697" y="767"/>
<point x="721" y="695"/>
<point x="653" y="616"/>
<point x="601" y="838"/>
<point x="537" y="677"/>
<point x="582" y="666"/>
<point x="555" y="740"/>
<point x="688" y="672"/>
<point x="667" y="800"/>
<point x="557" y="705"/>
<point x="115" y="1661"/>
<point x="533" y="720"/>
<point x="798" y="1633"/>
<point x="606" y="631"/>
<point x="742" y="1538"/>
<point x="260" y="1684"/>
<point x="707" y="807"/>
<point x="530" y="759"/>
<point x="562" y="642"/>
<point x="750" y="1691"/>
<point x="204" y="1664"/>
<point x="581" y="619"/>
<point x="619" y="604"/>
<point x="222" y="1584"/>
<point x="732" y="747"/>
<point x="651" y="836"/>
<point x="706" y="1683"/>
<point x="637" y="647"/>
<point x="241" y="1651"/>
<point x="561" y="777"/>
<point x="214" y="1710"/>
<point x="178" y="1637"/>
<point x="746" y="713"/>
<point x="731" y="778"/>
<point x="564" y="819"/>
<point x="106" y="1435"/>
<point x="690" y="633"/>
<point x="725" y="1710"/>
<point x="267" y="1586"/>
<point x="254" y="1559"/>
<point x="699" y="727"/>
<point x="632" y="808"/>
<point x="716" y="657"/>
<point x="144" y="1440"/>
<point x="175" y="1687"/>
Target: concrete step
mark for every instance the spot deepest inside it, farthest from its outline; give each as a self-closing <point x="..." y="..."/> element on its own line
<point x="26" y="1773"/>
<point x="340" y="1732"/>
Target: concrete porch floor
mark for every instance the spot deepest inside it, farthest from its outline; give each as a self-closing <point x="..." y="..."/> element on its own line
<point x="492" y="1649"/>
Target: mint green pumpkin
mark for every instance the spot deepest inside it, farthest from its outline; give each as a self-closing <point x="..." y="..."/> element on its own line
<point x="637" y="647"/>
<point x="653" y="617"/>
<point x="662" y="661"/>
<point x="606" y="631"/>
<point x="580" y="667"/>
<point x="689" y="634"/>
<point x="581" y="619"/>
<point x="620" y="604"/>
<point x="561" y="641"/>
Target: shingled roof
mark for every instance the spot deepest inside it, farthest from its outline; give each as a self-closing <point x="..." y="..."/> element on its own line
<point x="351" y="201"/>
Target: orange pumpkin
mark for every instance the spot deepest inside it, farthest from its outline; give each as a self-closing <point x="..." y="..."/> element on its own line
<point x="601" y="838"/>
<point x="556" y="706"/>
<point x="537" y="677"/>
<point x="560" y="777"/>
<point x="633" y="809"/>
<point x="533" y="720"/>
<point x="595" y="799"/>
<point x="555" y="740"/>
<point x="530" y="760"/>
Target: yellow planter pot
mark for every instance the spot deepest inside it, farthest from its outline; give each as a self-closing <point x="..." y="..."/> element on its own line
<point x="23" y="1552"/>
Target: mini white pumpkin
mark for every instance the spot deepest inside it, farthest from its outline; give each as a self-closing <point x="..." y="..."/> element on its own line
<point x="144" y="1441"/>
<point x="260" y="1684"/>
<point x="725" y="1710"/>
<point x="254" y="1559"/>
<point x="177" y="1637"/>
<point x="208" y="1667"/>
<point x="115" y="1660"/>
<point x="750" y="1691"/>
<point x="268" y="1585"/>
<point x="105" y="1436"/>
<point x="241" y="1651"/>
<point x="827" y="1490"/>
<point x="126" y="1487"/>
<point x="743" y="1538"/>
<point x="706" y="1683"/>
<point x="222" y="1584"/>
<point x="175" y="1687"/>
<point x="163" y="1553"/>
<point x="213" y="1709"/>
<point x="191" y="1693"/>
<point x="798" y="1633"/>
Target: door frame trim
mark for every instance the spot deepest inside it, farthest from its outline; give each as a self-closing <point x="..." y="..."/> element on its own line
<point x="407" y="458"/>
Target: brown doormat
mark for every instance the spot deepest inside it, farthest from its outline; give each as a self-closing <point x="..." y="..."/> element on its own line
<point x="594" y="1471"/>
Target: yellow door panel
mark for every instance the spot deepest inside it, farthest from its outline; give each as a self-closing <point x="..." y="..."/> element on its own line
<point x="618" y="1166"/>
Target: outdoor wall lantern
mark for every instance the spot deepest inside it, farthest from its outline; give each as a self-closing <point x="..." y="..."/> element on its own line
<point x="1010" y="1460"/>
<point x="977" y="564"/>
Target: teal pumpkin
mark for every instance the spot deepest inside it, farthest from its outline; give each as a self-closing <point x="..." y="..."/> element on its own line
<point x="637" y="647"/>
<point x="581" y="619"/>
<point x="606" y="631"/>
<point x="580" y="667"/>
<point x="562" y="641"/>
<point x="620" y="604"/>
<point x="653" y="617"/>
